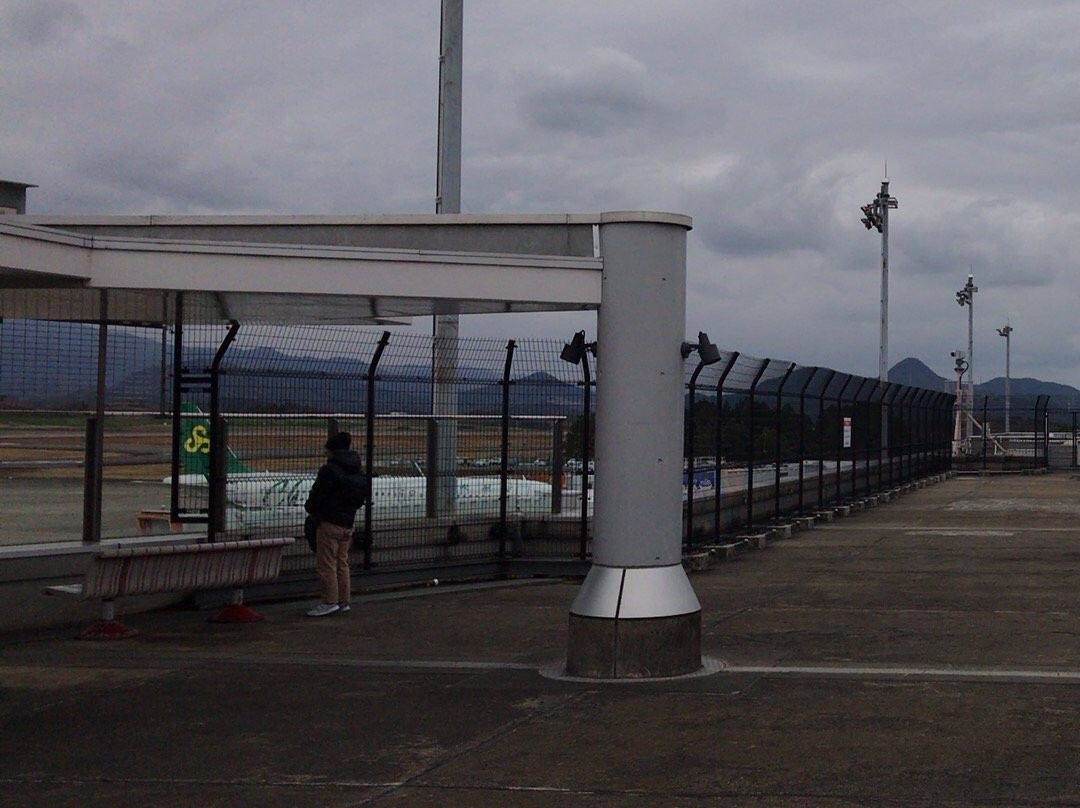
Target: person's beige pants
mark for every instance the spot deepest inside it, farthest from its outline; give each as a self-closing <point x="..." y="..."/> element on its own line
<point x="332" y="561"/>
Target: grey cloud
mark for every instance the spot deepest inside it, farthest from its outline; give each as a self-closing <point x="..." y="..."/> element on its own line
<point x="603" y="91"/>
<point x="35" y="23"/>
<point x="767" y="121"/>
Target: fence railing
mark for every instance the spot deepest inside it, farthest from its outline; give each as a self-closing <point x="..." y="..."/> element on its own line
<point x="231" y="419"/>
<point x="766" y="440"/>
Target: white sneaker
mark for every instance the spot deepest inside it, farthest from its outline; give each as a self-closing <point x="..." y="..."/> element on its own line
<point x="323" y="609"/>
<point x="344" y="607"/>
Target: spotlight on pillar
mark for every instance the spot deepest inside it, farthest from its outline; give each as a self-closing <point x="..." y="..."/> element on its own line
<point x="575" y="350"/>
<point x="708" y="354"/>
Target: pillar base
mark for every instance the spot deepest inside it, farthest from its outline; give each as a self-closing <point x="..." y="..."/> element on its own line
<point x="650" y="647"/>
<point x="634" y="623"/>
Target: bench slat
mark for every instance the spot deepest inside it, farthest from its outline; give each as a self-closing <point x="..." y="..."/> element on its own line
<point x="147" y="570"/>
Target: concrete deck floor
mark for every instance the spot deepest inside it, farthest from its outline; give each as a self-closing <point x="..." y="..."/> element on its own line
<point x="925" y="652"/>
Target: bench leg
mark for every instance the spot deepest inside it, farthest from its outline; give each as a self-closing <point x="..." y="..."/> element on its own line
<point x="108" y="628"/>
<point x="237" y="612"/>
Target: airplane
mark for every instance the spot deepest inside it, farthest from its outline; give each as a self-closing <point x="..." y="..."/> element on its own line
<point x="264" y="499"/>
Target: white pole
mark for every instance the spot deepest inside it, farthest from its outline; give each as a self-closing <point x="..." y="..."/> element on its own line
<point x="883" y="354"/>
<point x="971" y="358"/>
<point x="447" y="200"/>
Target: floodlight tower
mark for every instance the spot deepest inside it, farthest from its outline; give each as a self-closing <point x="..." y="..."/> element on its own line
<point x="876" y="215"/>
<point x="966" y="297"/>
<point x="1006" y="332"/>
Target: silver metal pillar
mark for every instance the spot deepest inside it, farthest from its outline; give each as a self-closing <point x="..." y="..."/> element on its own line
<point x="636" y="614"/>
<point x="447" y="200"/>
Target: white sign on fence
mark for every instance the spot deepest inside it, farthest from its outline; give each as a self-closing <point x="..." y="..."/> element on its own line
<point x="847" y="432"/>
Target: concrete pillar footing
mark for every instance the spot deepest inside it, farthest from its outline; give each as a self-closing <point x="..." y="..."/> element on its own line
<point x="642" y="648"/>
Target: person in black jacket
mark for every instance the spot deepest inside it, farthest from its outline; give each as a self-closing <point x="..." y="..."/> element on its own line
<point x="340" y="488"/>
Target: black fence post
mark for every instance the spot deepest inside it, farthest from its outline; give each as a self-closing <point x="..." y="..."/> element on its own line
<point x="219" y="449"/>
<point x="1074" y="438"/>
<point x="1046" y="433"/>
<point x="369" y="445"/>
<point x="177" y="402"/>
<point x="894" y="391"/>
<point x="779" y="441"/>
<point x="821" y="439"/>
<point x="802" y="434"/>
<point x="870" y="432"/>
<point x="925" y="432"/>
<point x="92" y="454"/>
<point x="750" y="458"/>
<point x="719" y="441"/>
<point x="985" y="431"/>
<point x="1035" y="435"/>
<point x="854" y="450"/>
<point x="935" y="432"/>
<point x="583" y="539"/>
<point x="93" y="468"/>
<point x="557" y="432"/>
<point x="840" y="434"/>
<point x="688" y="453"/>
<point x="504" y="457"/>
<point x="913" y="437"/>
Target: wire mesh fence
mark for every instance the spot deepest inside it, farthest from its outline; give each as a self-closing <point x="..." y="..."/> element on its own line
<point x="483" y="452"/>
<point x="769" y="439"/>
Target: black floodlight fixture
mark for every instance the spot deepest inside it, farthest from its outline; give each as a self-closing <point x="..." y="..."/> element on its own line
<point x="961" y="362"/>
<point x="965" y="296"/>
<point x="871" y="217"/>
<point x="574" y="351"/>
<point x="708" y="354"/>
<point x="873" y="212"/>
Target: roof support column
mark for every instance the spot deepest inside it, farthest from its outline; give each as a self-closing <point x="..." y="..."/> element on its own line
<point x="636" y="614"/>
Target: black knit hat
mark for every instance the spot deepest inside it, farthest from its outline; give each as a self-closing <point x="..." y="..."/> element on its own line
<point x="342" y="440"/>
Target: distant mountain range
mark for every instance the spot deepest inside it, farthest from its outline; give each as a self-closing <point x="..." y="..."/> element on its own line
<point x="914" y="372"/>
<point x="54" y="366"/>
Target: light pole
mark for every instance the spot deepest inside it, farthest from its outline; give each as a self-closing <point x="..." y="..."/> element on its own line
<point x="960" y="367"/>
<point x="966" y="297"/>
<point x="444" y="360"/>
<point x="876" y="215"/>
<point x="1006" y="332"/>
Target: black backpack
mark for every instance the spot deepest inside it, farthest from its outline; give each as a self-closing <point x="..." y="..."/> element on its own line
<point x="355" y="489"/>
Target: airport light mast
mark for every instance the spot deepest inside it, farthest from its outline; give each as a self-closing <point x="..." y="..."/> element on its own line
<point x="1006" y="332"/>
<point x="876" y="215"/>
<point x="966" y="297"/>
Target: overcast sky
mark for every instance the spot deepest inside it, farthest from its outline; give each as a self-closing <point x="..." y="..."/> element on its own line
<point x="767" y="122"/>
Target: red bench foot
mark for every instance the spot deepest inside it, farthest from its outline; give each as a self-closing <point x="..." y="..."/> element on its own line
<point x="107" y="630"/>
<point x="237" y="613"/>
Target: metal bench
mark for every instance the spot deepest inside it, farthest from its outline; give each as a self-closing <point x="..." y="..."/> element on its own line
<point x="117" y="572"/>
